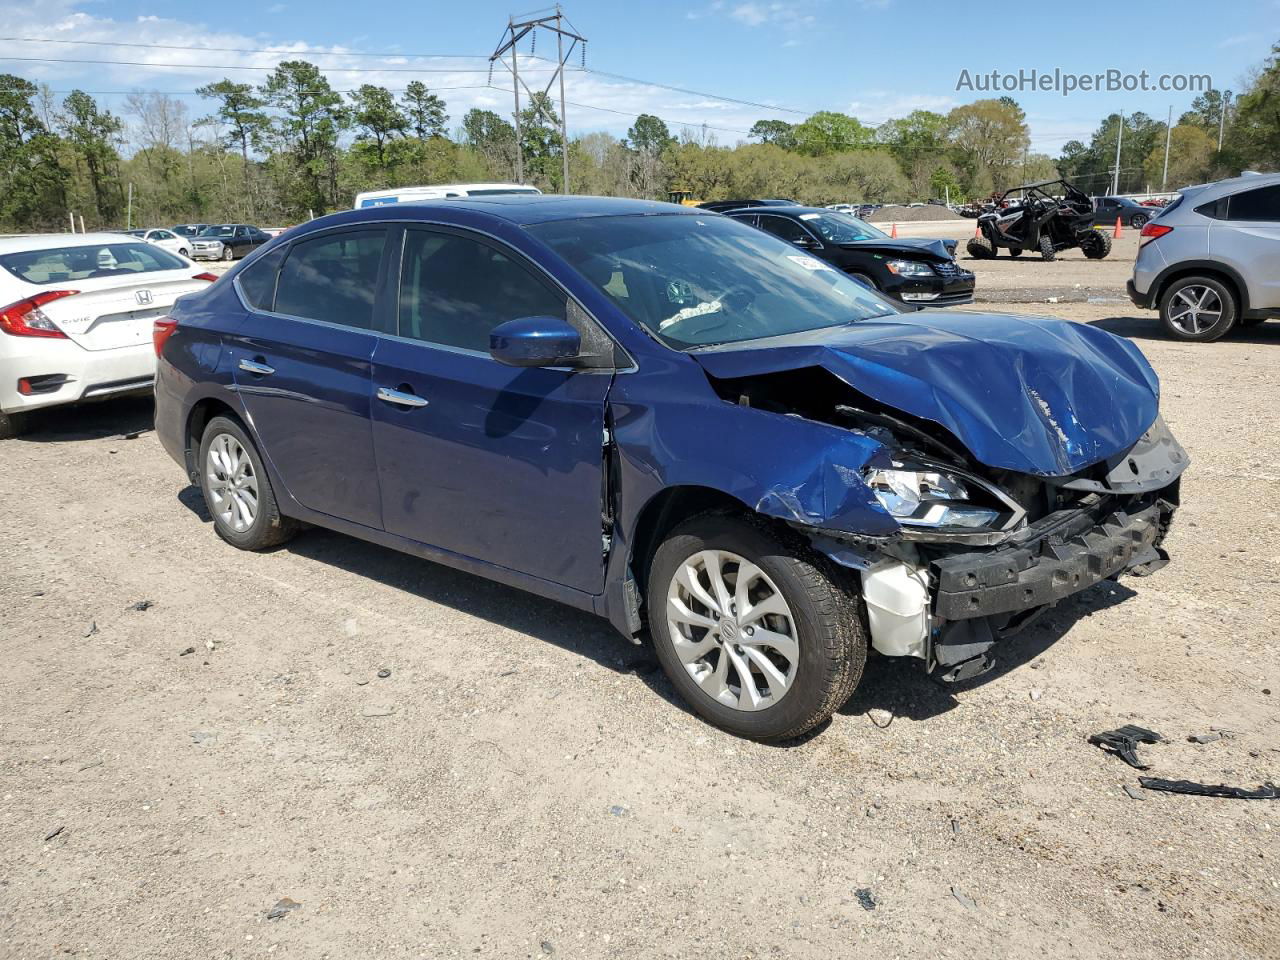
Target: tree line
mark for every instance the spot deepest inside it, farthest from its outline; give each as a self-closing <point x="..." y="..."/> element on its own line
<point x="292" y="147"/>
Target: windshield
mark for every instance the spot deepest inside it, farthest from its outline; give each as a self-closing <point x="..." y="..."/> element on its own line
<point x="841" y="227"/>
<point x="694" y="281"/>
<point x="225" y="230"/>
<point x="89" y="261"/>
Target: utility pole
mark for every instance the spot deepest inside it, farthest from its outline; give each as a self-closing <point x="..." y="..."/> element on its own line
<point x="516" y="31"/>
<point x="1223" y="103"/>
<point x="128" y="218"/>
<point x="1115" y="181"/>
<point x="1168" y="137"/>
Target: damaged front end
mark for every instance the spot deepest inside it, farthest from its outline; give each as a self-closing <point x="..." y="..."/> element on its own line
<point x="980" y="550"/>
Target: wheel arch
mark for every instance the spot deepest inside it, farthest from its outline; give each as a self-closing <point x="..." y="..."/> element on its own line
<point x="1213" y="268"/>
<point x="202" y="411"/>
<point x="666" y="510"/>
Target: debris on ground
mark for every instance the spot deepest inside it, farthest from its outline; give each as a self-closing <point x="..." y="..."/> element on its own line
<point x="865" y="898"/>
<point x="880" y="717"/>
<point x="282" y="908"/>
<point x="1215" y="735"/>
<point x="56" y="831"/>
<point x="1036" y="693"/>
<point x="141" y="605"/>
<point x="186" y="652"/>
<point x="620" y="811"/>
<point x="384" y="673"/>
<point x="1123" y="741"/>
<point x="547" y="948"/>
<point x="964" y="899"/>
<point x="378" y="710"/>
<point x="1267" y="791"/>
<point x="91" y="629"/>
<point x="1133" y="792"/>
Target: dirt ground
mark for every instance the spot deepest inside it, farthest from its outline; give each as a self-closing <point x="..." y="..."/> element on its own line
<point x="524" y="784"/>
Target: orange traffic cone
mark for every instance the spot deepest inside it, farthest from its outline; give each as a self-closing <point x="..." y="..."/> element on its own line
<point x="894" y="232"/>
<point x="977" y="232"/>
<point x="1118" y="232"/>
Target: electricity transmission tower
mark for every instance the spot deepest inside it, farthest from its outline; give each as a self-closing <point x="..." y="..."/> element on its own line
<point x="516" y="31"/>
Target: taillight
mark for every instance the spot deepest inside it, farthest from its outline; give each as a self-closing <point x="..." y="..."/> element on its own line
<point x="26" y="319"/>
<point x="1152" y="231"/>
<point x="206" y="276"/>
<point x="161" y="331"/>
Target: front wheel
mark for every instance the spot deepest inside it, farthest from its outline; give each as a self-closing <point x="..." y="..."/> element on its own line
<point x="758" y="633"/>
<point x="1015" y="251"/>
<point x="1046" y="248"/>
<point x="237" y="491"/>
<point x="980" y="248"/>
<point x="228" y="253"/>
<point x="12" y="424"/>
<point x="184" y="252"/>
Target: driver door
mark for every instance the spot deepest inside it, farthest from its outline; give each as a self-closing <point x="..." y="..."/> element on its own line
<point x="501" y="464"/>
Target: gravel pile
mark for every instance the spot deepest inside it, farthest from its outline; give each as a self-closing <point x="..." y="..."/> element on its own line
<point x="912" y="214"/>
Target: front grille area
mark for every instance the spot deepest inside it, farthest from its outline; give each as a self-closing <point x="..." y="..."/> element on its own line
<point x="948" y="270"/>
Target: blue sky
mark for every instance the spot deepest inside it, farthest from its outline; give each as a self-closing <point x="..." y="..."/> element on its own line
<point x="871" y="58"/>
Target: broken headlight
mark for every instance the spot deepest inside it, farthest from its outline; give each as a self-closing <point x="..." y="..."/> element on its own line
<point x="909" y="268"/>
<point x="928" y="498"/>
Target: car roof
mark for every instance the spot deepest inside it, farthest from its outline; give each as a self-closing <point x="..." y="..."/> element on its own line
<point x="1244" y="181"/>
<point x="515" y="208"/>
<point x="793" y="209"/>
<point x="48" y="241"/>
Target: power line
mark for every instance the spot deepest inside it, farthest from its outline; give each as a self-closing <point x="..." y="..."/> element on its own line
<point x="694" y="93"/>
<point x="300" y="53"/>
<point x="217" y="66"/>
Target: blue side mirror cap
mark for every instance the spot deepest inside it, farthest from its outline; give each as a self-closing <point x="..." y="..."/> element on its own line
<point x="534" y="342"/>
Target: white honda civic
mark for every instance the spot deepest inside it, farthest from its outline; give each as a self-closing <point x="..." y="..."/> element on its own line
<point x="76" y="314"/>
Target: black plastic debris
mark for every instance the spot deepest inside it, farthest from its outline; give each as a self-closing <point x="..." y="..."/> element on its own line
<point x="282" y="908"/>
<point x="186" y="651"/>
<point x="865" y="898"/>
<point x="142" y="605"/>
<point x="1268" y="791"/>
<point x="1123" y="742"/>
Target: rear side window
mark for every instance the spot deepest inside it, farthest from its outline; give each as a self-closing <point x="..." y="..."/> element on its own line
<point x="89" y="261"/>
<point x="454" y="290"/>
<point x="1260" y="204"/>
<point x="258" y="280"/>
<point x="332" y="278"/>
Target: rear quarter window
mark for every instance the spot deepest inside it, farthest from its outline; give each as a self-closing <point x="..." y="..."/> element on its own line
<point x="258" y="280"/>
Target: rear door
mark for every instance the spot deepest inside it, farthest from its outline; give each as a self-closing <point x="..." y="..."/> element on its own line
<point x="497" y="463"/>
<point x="1249" y="239"/>
<point x="302" y="366"/>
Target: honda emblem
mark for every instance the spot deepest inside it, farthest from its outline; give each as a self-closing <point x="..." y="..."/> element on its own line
<point x="142" y="296"/>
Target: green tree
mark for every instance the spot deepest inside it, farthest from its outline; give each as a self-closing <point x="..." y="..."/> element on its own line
<point x="424" y="110"/>
<point x="778" y="132"/>
<point x="375" y="114"/>
<point x="93" y="135"/>
<point x="1191" y="150"/>
<point x="1205" y="111"/>
<point x="241" y="122"/>
<point x="1253" y="127"/>
<point x="540" y="142"/>
<point x="32" y="181"/>
<point x="493" y="138"/>
<point x="827" y="132"/>
<point x="989" y="139"/>
<point x="310" y="116"/>
<point x="649" y="135"/>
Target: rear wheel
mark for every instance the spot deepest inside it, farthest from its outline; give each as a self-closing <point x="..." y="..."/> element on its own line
<point x="237" y="490"/>
<point x="1046" y="248"/>
<point x="12" y="425"/>
<point x="1095" y="244"/>
<point x="757" y="633"/>
<point x="1139" y="221"/>
<point x="1199" y="309"/>
<point x="980" y="248"/>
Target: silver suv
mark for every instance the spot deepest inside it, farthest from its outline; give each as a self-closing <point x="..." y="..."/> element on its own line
<point x="1211" y="258"/>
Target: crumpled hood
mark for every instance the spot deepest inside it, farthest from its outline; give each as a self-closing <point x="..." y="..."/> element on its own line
<point x="910" y="246"/>
<point x="1036" y="395"/>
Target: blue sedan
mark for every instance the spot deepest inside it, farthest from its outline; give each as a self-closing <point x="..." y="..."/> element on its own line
<point x="720" y="443"/>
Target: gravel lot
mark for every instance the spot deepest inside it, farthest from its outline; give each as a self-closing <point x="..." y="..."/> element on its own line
<point x="523" y="783"/>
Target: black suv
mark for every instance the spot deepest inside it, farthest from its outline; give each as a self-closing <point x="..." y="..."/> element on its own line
<point x="914" y="270"/>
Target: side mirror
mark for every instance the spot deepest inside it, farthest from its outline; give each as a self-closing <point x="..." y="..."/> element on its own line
<point x="534" y="342"/>
<point x="805" y="243"/>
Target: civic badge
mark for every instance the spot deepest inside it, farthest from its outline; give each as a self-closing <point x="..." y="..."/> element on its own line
<point x="142" y="296"/>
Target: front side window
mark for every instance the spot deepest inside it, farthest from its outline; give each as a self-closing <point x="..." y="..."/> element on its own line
<point x="454" y="290"/>
<point x="787" y="230"/>
<point x="332" y="278"/>
<point x="695" y="281"/>
<point x="89" y="261"/>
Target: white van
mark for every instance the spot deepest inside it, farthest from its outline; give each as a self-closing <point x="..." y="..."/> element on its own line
<point x="377" y="198"/>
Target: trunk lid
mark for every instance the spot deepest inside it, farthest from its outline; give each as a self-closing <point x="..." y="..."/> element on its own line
<point x="114" y="312"/>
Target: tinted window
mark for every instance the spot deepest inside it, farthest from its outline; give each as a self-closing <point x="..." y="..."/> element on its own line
<point x="332" y="278"/>
<point x="87" y="261"/>
<point x="454" y="290"/>
<point x="258" y="280"/>
<point x="1260" y="204"/>
<point x="1217" y="209"/>
<point x="788" y="230"/>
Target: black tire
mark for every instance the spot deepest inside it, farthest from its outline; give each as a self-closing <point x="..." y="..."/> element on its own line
<point x="1170" y="302"/>
<point x="13" y="424"/>
<point x="184" y="252"/>
<point x="980" y="248"/>
<point x="1139" y="221"/>
<point x="1015" y="251"/>
<point x="269" y="528"/>
<point x="1046" y="248"/>
<point x="1095" y="244"/>
<point x="866" y="281"/>
<point x="1250" y="321"/>
<point x="227" y="253"/>
<point x="826" y="617"/>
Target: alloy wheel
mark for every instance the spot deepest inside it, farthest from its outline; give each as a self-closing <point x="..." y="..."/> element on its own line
<point x="233" y="485"/>
<point x="1194" y="309"/>
<point x="732" y="630"/>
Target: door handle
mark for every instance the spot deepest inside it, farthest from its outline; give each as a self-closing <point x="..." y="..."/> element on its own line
<point x="255" y="367"/>
<point x="401" y="398"/>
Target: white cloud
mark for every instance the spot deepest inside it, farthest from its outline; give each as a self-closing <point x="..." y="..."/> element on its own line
<point x="1236" y="41"/>
<point x="877" y="106"/>
<point x="790" y="15"/>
